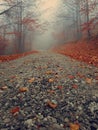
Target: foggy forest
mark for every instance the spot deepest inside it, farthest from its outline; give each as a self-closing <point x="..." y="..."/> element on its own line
<point x="48" y="64"/>
<point x="38" y="24"/>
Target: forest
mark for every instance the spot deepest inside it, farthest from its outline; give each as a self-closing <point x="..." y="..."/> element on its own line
<point x="20" y="22"/>
<point x="48" y="64"/>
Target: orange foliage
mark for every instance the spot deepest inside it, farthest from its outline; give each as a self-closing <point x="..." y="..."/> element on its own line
<point x="4" y="58"/>
<point x="83" y="51"/>
<point x="18" y="34"/>
<point x="89" y="25"/>
<point x="28" y="21"/>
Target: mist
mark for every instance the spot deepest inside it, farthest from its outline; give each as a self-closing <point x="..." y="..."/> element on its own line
<point x="42" y="24"/>
<point x="52" y="9"/>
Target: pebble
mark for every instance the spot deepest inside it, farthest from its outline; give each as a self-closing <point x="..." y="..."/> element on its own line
<point x="28" y="122"/>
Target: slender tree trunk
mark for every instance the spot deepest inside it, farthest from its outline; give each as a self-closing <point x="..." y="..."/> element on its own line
<point x="20" y="30"/>
<point x="78" y="20"/>
<point x="87" y="16"/>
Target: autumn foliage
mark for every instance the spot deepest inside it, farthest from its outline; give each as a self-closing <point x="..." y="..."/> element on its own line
<point x="82" y="51"/>
<point x="4" y="58"/>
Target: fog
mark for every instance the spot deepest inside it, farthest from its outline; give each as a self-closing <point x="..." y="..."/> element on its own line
<point x="53" y="8"/>
<point x="42" y="24"/>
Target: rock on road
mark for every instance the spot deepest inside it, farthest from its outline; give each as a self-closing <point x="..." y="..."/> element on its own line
<point x="48" y="91"/>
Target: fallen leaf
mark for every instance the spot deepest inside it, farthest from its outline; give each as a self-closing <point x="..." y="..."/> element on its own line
<point x="71" y="77"/>
<point x="1" y="91"/>
<point x="88" y="80"/>
<point x="31" y="80"/>
<point x="45" y="67"/>
<point x="59" y="87"/>
<point x="23" y="89"/>
<point x="51" y="80"/>
<point x="49" y="72"/>
<point x="51" y="104"/>
<point x="60" y="68"/>
<point x="15" y="110"/>
<point x="39" y="68"/>
<point x="13" y="77"/>
<point x="4" y="88"/>
<point x="74" y="126"/>
<point x="56" y="76"/>
<point x="13" y="66"/>
<point x="11" y="80"/>
<point x="51" y="91"/>
<point x="96" y="77"/>
<point x="2" y="73"/>
<point x="75" y="86"/>
<point x="80" y="75"/>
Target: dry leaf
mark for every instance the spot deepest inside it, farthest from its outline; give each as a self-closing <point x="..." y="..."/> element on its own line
<point x="80" y="75"/>
<point x="49" y="72"/>
<point x="51" y="80"/>
<point x="60" y="68"/>
<point x="4" y="88"/>
<point x="31" y="80"/>
<point x="88" y="80"/>
<point x="13" y="77"/>
<point x="15" y="110"/>
<point x="51" y="104"/>
<point x="56" y="76"/>
<point x="75" y="86"/>
<point x="59" y="87"/>
<point x="74" y="126"/>
<point x="51" y="91"/>
<point x="96" y="77"/>
<point x="71" y="77"/>
<point x="23" y="89"/>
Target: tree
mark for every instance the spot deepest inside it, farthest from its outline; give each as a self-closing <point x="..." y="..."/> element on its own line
<point x="20" y="23"/>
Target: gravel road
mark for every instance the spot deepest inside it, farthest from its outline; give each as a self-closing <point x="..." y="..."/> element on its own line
<point x="48" y="91"/>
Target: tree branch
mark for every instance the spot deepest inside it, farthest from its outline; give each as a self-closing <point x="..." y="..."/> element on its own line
<point x="9" y="8"/>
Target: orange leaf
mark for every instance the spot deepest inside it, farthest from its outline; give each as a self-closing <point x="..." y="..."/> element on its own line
<point x="52" y="105"/>
<point x="23" y="89"/>
<point x="88" y="80"/>
<point x="51" y="80"/>
<point x="31" y="80"/>
<point x="60" y="68"/>
<point x="74" y="126"/>
<point x="49" y="72"/>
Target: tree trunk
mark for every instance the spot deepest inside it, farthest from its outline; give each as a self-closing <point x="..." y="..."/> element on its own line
<point x="87" y="16"/>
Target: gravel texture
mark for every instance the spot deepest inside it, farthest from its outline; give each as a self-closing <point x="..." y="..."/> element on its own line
<point x="48" y="91"/>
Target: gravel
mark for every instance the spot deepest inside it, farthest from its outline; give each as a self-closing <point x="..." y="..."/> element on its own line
<point x="48" y="91"/>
